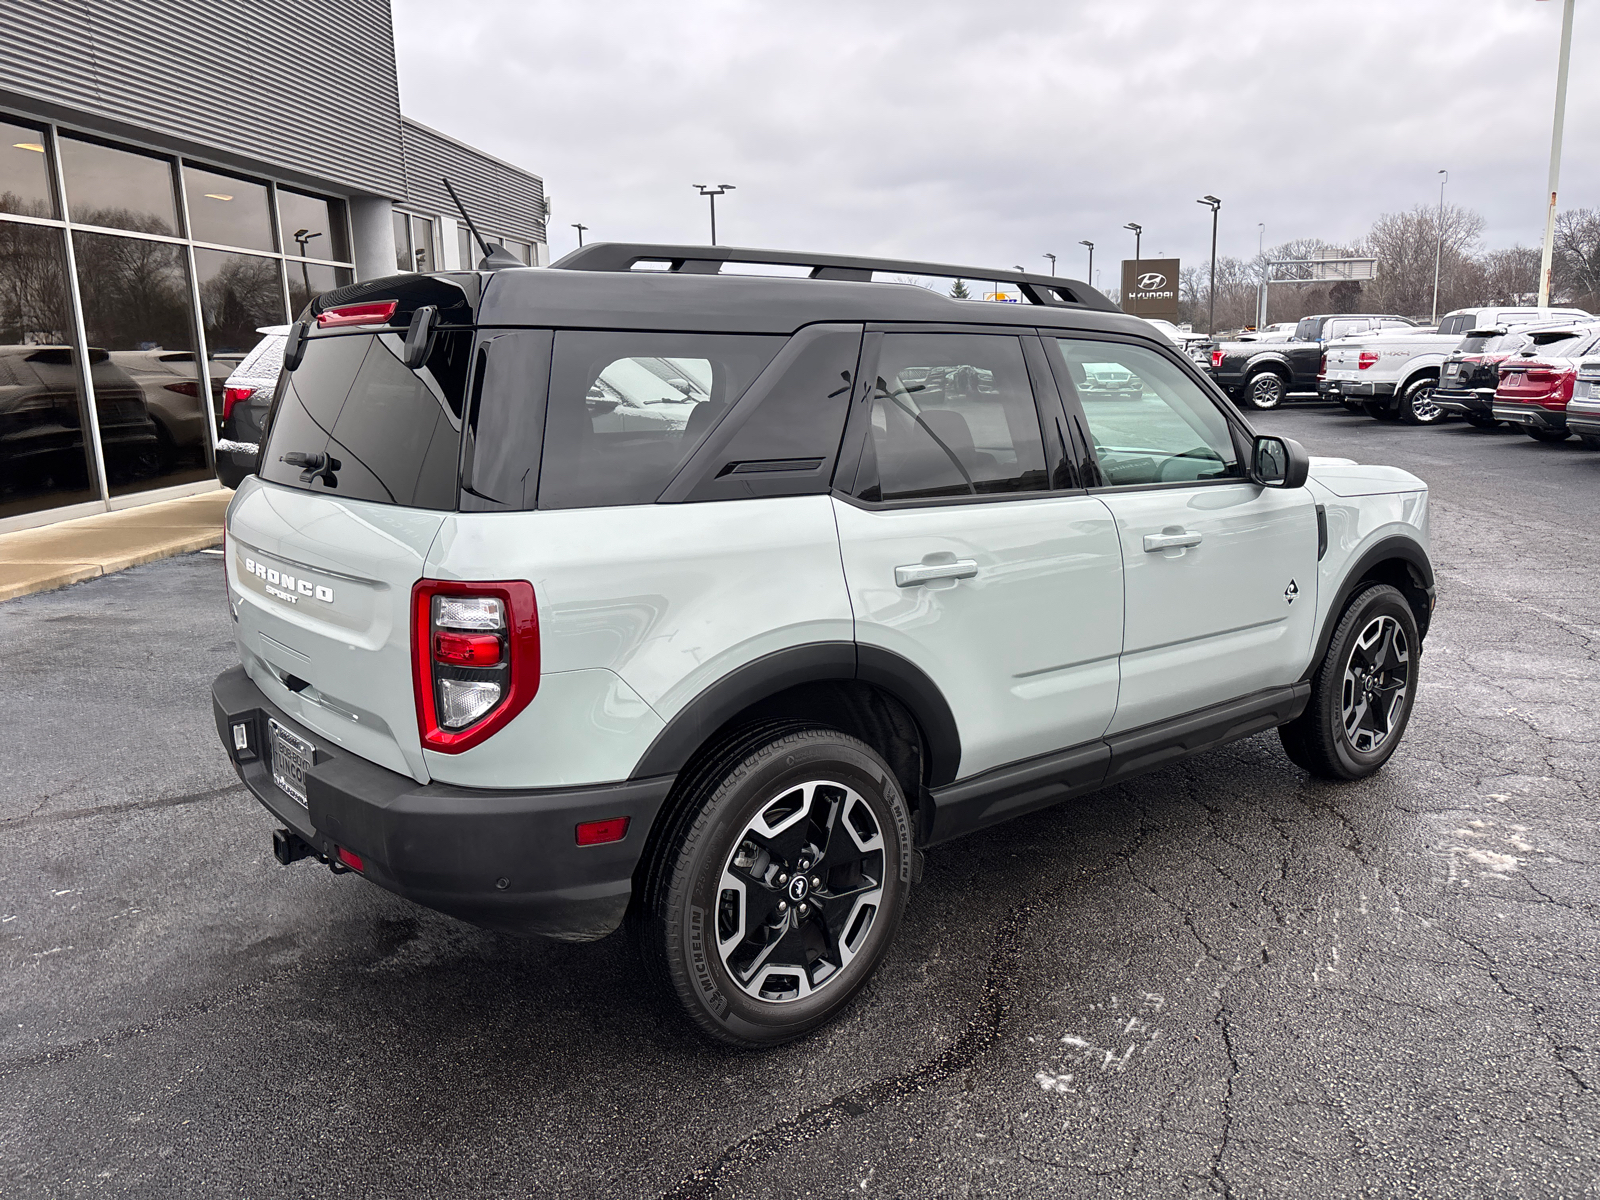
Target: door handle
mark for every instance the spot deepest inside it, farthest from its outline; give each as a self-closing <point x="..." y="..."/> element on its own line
<point x="910" y="576"/>
<point x="1169" y="541"/>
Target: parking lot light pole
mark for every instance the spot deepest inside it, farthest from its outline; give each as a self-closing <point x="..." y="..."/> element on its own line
<point x="1052" y="259"/>
<point x="711" y="194"/>
<point x="1090" y="276"/>
<point x="1438" y="248"/>
<point x="1137" y="230"/>
<point x="303" y="239"/>
<point x="1215" y="204"/>
<point x="580" y="227"/>
<point x="1555" y="154"/>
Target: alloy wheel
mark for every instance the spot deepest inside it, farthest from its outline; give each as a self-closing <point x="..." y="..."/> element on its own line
<point x="1266" y="391"/>
<point x="1375" y="684"/>
<point x="800" y="891"/>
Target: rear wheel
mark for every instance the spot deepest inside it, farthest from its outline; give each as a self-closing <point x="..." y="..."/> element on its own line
<point x="1362" y="692"/>
<point x="1416" y="406"/>
<point x="1547" y="435"/>
<point x="1381" y="410"/>
<point x="780" y="886"/>
<point x="1482" y="421"/>
<point x="1265" y="390"/>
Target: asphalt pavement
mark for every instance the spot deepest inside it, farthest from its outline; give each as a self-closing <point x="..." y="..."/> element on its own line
<point x="1222" y="979"/>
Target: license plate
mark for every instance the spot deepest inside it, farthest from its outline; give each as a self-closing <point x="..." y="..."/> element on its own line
<point x="1452" y="373"/>
<point x="291" y="755"/>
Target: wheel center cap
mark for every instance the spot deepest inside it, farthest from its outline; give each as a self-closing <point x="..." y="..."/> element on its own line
<point x="799" y="888"/>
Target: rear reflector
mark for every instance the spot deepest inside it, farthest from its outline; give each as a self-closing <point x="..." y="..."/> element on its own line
<point x="353" y="861"/>
<point x="232" y="396"/>
<point x="598" y="833"/>
<point x="187" y="388"/>
<point x="374" y="312"/>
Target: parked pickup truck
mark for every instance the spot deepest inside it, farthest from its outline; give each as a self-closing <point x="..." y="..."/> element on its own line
<point x="1260" y="374"/>
<point x="1394" y="375"/>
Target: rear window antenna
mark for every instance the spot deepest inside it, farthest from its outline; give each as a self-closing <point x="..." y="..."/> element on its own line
<point x="493" y="259"/>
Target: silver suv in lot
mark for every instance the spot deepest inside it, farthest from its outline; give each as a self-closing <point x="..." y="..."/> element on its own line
<point x="641" y="591"/>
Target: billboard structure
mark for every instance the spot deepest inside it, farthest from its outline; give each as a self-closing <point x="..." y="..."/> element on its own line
<point x="1150" y="287"/>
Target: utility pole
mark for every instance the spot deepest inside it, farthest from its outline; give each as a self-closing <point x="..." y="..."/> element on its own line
<point x="1090" y="275"/>
<point x="1052" y="259"/>
<point x="580" y="227"/>
<point x="712" y="194"/>
<point x="1555" y="154"/>
<point x="1215" y="205"/>
<point x="1261" y="265"/>
<point x="1438" y="248"/>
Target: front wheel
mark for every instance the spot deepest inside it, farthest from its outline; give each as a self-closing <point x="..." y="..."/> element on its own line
<point x="1266" y="390"/>
<point x="1362" y="692"/>
<point x="1552" y="436"/>
<point x="779" y="887"/>
<point x="1416" y="406"/>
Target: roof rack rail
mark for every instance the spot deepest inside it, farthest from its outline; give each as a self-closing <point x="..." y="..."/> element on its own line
<point x="709" y="260"/>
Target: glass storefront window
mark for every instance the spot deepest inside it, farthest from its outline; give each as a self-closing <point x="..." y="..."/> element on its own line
<point x="307" y="281"/>
<point x="137" y="313"/>
<point x="228" y="210"/>
<point x="467" y="247"/>
<point x="522" y="250"/>
<point x="422" y="244"/>
<point x="25" y="172"/>
<point x="118" y="189"/>
<point x="402" y="242"/>
<point x="312" y="226"/>
<point x="45" y="457"/>
<point x="239" y="293"/>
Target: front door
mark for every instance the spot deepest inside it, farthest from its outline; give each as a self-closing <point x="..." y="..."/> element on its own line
<point x="962" y="557"/>
<point x="1220" y="573"/>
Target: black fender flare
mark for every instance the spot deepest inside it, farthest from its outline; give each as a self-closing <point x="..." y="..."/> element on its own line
<point x="1396" y="546"/>
<point x="1267" y="359"/>
<point x="813" y="662"/>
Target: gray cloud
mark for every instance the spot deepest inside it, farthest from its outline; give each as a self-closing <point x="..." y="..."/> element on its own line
<point x="991" y="133"/>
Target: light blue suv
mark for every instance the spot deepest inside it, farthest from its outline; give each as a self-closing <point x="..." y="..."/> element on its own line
<point x="643" y="590"/>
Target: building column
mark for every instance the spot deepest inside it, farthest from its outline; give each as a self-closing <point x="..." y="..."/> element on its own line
<point x="372" y="229"/>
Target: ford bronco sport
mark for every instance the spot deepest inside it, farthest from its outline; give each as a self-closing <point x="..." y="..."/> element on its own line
<point x="640" y="591"/>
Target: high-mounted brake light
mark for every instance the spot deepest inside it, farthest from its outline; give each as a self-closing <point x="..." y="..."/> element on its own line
<point x="474" y="658"/>
<point x="371" y="312"/>
<point x="1369" y="358"/>
<point x="232" y="396"/>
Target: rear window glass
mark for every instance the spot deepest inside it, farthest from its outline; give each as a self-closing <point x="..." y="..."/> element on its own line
<point x="1478" y="345"/>
<point x="265" y="359"/>
<point x="626" y="409"/>
<point x="373" y="430"/>
<point x="1459" y="323"/>
<point x="1557" y="345"/>
<point x="1306" y="331"/>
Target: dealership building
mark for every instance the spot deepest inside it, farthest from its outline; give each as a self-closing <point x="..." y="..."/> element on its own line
<point x="174" y="177"/>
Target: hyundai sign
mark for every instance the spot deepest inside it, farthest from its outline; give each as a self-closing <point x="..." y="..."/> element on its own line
<point x="1150" y="287"/>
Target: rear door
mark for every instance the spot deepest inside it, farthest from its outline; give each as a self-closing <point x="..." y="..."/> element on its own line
<point x="967" y="550"/>
<point x="323" y="550"/>
<point x="1220" y="575"/>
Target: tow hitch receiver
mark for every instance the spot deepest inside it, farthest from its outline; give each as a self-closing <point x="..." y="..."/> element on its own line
<point x="289" y="847"/>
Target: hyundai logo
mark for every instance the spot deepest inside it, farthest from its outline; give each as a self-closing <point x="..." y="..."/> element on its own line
<point x="1151" y="280"/>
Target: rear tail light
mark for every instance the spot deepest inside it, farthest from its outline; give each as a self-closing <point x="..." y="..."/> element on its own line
<point x="232" y="396"/>
<point x="1216" y="358"/>
<point x="186" y="388"/>
<point x="1322" y="367"/>
<point x="372" y="312"/>
<point x="1368" y="358"/>
<point x="474" y="658"/>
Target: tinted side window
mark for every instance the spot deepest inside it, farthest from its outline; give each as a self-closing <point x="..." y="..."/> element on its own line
<point x="952" y="415"/>
<point x="506" y="427"/>
<point x="626" y="409"/>
<point x="782" y="438"/>
<point x="1150" y="423"/>
<point x="393" y="432"/>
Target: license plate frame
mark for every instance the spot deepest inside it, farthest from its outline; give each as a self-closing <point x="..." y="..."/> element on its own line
<point x="291" y="755"/>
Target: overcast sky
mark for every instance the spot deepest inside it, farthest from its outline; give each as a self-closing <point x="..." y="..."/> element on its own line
<point x="988" y="132"/>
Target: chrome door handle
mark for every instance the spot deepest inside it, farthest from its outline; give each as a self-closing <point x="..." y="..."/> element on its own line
<point x="910" y="576"/>
<point x="1169" y="541"/>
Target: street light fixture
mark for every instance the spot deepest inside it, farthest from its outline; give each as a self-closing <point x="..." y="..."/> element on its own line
<point x="1137" y="231"/>
<point x="1091" y="260"/>
<point x="303" y="238"/>
<point x="1438" y="246"/>
<point x="1215" y="205"/>
<point x="1052" y="259"/>
<point x="580" y="227"/>
<point x="711" y="194"/>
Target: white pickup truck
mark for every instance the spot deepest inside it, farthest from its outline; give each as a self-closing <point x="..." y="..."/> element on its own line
<point x="1392" y="374"/>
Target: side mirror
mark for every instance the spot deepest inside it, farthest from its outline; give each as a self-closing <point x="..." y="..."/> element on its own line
<point x="419" y="336"/>
<point x="294" y="349"/>
<point x="1279" y="462"/>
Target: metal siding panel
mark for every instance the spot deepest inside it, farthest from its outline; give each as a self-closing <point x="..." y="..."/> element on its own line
<point x="501" y="198"/>
<point x="241" y="76"/>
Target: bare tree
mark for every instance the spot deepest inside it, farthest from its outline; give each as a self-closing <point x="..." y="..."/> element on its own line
<point x="1576" y="266"/>
<point x="1404" y="245"/>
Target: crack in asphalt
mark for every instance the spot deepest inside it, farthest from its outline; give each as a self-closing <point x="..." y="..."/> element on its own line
<point x="32" y="821"/>
<point x="982" y="1031"/>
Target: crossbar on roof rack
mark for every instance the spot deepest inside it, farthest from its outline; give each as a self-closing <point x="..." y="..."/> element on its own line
<point x="709" y="260"/>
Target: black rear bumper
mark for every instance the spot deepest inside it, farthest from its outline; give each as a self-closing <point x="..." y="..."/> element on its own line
<point x="505" y="860"/>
